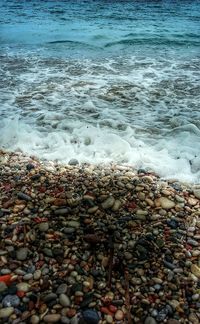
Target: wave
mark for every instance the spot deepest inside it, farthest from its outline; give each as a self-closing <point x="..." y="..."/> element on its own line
<point x="157" y="41"/>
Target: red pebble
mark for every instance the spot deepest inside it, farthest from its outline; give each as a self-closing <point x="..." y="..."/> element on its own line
<point x="20" y="294"/>
<point x="112" y="308"/>
<point x="6" y="279"/>
<point x="106" y="311"/>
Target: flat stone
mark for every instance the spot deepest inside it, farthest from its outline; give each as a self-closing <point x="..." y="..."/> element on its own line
<point x="23" y="286"/>
<point x="195" y="270"/>
<point x="37" y="274"/>
<point x="23" y="196"/>
<point x="6" y="312"/>
<point x="166" y="203"/>
<point x="43" y="227"/>
<point x="62" y="289"/>
<point x="91" y="316"/>
<point x="119" y="315"/>
<point x="48" y="298"/>
<point x="108" y="203"/>
<point x="22" y="254"/>
<point x="64" y="300"/>
<point x="61" y="211"/>
<point x="11" y="300"/>
<point x="74" y="224"/>
<point x="73" y="162"/>
<point x="52" y="318"/>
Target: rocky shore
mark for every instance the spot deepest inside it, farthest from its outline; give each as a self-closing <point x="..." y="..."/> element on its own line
<point x="90" y="244"/>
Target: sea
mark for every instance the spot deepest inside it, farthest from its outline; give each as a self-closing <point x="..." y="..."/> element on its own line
<point x="103" y="82"/>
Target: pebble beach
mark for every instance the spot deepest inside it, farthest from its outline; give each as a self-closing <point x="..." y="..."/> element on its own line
<point x="96" y="244"/>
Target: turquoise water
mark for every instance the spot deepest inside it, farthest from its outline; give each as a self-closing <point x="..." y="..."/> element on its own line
<point x="103" y="81"/>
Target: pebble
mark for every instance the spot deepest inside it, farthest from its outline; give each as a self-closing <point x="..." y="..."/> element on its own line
<point x="108" y="203"/>
<point x="195" y="270"/>
<point x="119" y="315"/>
<point x="91" y="316"/>
<point x="34" y="319"/>
<point x="43" y="227"/>
<point x="22" y="254"/>
<point x="3" y="286"/>
<point x="6" y="312"/>
<point x="52" y="318"/>
<point x="23" y="286"/>
<point x="11" y="300"/>
<point x="197" y="193"/>
<point x="64" y="300"/>
<point x="166" y="203"/>
<point x="37" y="274"/>
<point x="62" y="289"/>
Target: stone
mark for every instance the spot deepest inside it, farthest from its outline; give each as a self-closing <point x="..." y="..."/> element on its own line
<point x="22" y="254"/>
<point x="37" y="274"/>
<point x="64" y="300"/>
<point x="150" y="320"/>
<point x="43" y="227"/>
<point x="73" y="162"/>
<point x="91" y="316"/>
<point x="11" y="300"/>
<point x="23" y="196"/>
<point x="23" y="286"/>
<point x="34" y="319"/>
<point x="6" y="312"/>
<point x="173" y="321"/>
<point x="108" y="203"/>
<point x="62" y="289"/>
<point x="52" y="318"/>
<point x="49" y="297"/>
<point x="197" y="193"/>
<point x="74" y="224"/>
<point x="165" y="203"/>
<point x="195" y="270"/>
<point x="119" y="315"/>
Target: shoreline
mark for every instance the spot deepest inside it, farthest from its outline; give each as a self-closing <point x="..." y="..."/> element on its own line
<point x="96" y="244"/>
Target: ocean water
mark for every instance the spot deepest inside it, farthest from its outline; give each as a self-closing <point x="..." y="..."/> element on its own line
<point x="103" y="81"/>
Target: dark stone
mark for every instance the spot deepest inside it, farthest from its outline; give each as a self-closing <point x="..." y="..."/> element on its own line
<point x="50" y="297"/>
<point x="162" y="314"/>
<point x="23" y="196"/>
<point x="88" y="298"/>
<point x="11" y="300"/>
<point x="76" y="287"/>
<point x="30" y="166"/>
<point x="169" y="265"/>
<point x="172" y="223"/>
<point x="91" y="316"/>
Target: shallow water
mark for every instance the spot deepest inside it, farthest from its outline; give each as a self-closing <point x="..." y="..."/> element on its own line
<point x="103" y="81"/>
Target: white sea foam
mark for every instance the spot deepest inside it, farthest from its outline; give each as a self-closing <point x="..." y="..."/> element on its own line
<point x="171" y="157"/>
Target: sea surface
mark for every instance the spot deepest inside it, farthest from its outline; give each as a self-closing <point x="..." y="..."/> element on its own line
<point x="103" y="81"/>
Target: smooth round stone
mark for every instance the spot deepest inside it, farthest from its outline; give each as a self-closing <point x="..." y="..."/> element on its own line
<point x="108" y="203"/>
<point x="74" y="224"/>
<point x="11" y="301"/>
<point x="52" y="318"/>
<point x="64" y="300"/>
<point x="195" y="297"/>
<point x="6" y="312"/>
<point x="195" y="270"/>
<point x="73" y="162"/>
<point x="23" y="286"/>
<point x="43" y="227"/>
<point x="37" y="274"/>
<point x="5" y="271"/>
<point x="150" y="320"/>
<point x="28" y="276"/>
<point x="119" y="315"/>
<point x="173" y="321"/>
<point x="22" y="254"/>
<point x="62" y="289"/>
<point x="197" y="193"/>
<point x="91" y="316"/>
<point x="128" y="255"/>
<point x="34" y="319"/>
<point x="50" y="297"/>
<point x="166" y="203"/>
